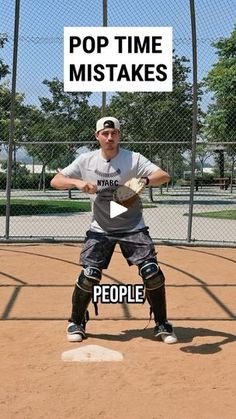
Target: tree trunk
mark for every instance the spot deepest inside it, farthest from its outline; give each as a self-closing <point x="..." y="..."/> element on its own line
<point x="232" y="175"/>
<point x="172" y="173"/>
<point x="42" y="178"/>
<point x="150" y="193"/>
<point x="221" y="166"/>
<point x="161" y="186"/>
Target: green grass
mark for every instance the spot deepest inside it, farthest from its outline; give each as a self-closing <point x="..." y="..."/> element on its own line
<point x="37" y="207"/>
<point x="40" y="207"/>
<point x="147" y="205"/>
<point x="225" y="214"/>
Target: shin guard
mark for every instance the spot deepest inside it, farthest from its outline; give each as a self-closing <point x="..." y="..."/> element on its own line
<point x="157" y="301"/>
<point x="82" y="295"/>
<point x="154" y="282"/>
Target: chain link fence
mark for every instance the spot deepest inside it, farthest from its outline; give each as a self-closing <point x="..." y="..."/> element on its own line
<point x="51" y="127"/>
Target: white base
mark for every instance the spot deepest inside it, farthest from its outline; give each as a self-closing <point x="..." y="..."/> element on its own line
<point x="91" y="353"/>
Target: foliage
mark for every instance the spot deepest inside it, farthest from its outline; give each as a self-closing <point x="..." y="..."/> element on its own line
<point x="62" y="119"/>
<point x="4" y="68"/>
<point x="26" y="181"/>
<point x="221" y="79"/>
<point x="5" y="103"/>
<point x="17" y="167"/>
<point x="159" y="117"/>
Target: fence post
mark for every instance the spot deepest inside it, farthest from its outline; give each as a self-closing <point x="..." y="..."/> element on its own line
<point x="150" y="191"/>
<point x="12" y="118"/>
<point x="104" y="95"/>
<point x="194" y="123"/>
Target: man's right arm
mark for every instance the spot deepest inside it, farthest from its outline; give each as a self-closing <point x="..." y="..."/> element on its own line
<point x="63" y="182"/>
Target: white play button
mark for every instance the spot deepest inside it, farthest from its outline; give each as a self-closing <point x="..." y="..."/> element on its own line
<point x="116" y="209"/>
<point x="113" y="216"/>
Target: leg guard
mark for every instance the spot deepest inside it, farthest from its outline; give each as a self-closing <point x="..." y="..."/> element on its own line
<point x="154" y="282"/>
<point x="151" y="274"/>
<point x="83" y="293"/>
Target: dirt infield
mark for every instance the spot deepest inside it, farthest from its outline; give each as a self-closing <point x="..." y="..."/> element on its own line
<point x="195" y="378"/>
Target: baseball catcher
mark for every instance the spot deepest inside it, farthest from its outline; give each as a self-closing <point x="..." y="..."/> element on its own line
<point x="123" y="175"/>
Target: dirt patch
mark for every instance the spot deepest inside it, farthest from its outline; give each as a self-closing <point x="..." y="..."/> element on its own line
<point x="195" y="378"/>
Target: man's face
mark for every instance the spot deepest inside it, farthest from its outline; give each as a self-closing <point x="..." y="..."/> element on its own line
<point x="108" y="138"/>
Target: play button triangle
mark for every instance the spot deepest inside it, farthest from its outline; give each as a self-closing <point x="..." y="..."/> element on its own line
<point x="116" y="209"/>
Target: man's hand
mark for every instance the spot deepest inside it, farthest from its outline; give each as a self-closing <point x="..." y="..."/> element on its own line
<point x="63" y="182"/>
<point x="87" y="187"/>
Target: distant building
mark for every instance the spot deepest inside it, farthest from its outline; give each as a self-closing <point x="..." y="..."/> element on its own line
<point x="208" y="170"/>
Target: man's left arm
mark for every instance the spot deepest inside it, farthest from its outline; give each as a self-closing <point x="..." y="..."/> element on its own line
<point x="158" y="177"/>
<point x="154" y="175"/>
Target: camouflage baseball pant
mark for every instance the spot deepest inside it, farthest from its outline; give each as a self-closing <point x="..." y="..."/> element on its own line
<point x="98" y="248"/>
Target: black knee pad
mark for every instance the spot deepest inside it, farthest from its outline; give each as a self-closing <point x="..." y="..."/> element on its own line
<point x="89" y="276"/>
<point x="151" y="274"/>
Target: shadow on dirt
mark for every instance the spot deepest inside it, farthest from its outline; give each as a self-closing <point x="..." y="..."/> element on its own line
<point x="185" y="335"/>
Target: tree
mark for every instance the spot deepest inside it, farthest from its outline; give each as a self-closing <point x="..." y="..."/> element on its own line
<point x="159" y="117"/>
<point x="20" y="168"/>
<point x="5" y="105"/>
<point x="202" y="155"/>
<point x="4" y="68"/>
<point x="62" y="119"/>
<point x="40" y="129"/>
<point x="71" y="113"/>
<point x="221" y="79"/>
<point x="5" y="97"/>
<point x="71" y="110"/>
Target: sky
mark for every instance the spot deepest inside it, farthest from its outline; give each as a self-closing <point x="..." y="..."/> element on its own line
<point x="42" y="22"/>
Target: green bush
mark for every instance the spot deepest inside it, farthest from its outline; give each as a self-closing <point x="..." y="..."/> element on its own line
<point x="207" y="179"/>
<point x="3" y="180"/>
<point x="26" y="181"/>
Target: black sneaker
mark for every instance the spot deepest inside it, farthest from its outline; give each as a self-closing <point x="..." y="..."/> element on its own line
<point x="166" y="332"/>
<point x="75" y="333"/>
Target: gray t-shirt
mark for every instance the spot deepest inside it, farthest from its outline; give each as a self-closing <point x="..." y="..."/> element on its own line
<point x="109" y="174"/>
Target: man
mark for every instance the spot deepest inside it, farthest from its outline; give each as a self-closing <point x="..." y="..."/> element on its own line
<point x="112" y="166"/>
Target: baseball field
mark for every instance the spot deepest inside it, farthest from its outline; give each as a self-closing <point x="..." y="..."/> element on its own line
<point x="195" y="378"/>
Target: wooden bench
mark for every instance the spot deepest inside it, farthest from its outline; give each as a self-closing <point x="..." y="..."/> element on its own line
<point x="223" y="183"/>
<point x="197" y="183"/>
